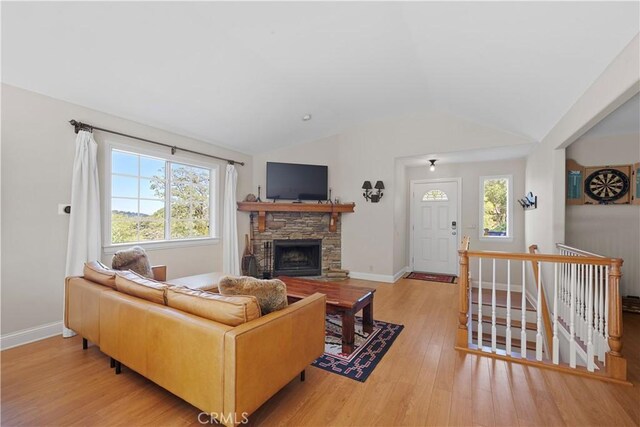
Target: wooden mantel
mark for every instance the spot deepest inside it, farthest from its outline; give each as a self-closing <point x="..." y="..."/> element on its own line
<point x="263" y="207"/>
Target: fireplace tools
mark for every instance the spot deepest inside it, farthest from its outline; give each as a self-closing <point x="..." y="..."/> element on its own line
<point x="268" y="253"/>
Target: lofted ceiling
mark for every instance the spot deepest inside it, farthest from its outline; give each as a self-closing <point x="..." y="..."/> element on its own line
<point x="243" y="74"/>
<point x="624" y="120"/>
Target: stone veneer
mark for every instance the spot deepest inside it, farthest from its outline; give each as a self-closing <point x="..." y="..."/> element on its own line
<point x="299" y="225"/>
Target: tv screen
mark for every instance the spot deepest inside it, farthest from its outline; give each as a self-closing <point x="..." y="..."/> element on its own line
<point x="291" y="181"/>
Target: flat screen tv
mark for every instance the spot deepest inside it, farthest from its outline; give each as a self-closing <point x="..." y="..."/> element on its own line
<point x="289" y="181"/>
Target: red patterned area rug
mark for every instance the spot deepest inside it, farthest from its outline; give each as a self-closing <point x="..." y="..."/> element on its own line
<point x="369" y="348"/>
<point x="431" y="277"/>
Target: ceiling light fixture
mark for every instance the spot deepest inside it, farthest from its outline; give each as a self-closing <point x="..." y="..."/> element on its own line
<point x="306" y="117"/>
<point x="432" y="167"/>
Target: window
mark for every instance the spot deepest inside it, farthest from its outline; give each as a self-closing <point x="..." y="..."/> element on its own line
<point x="434" y="196"/>
<point x="495" y="207"/>
<point x="154" y="199"/>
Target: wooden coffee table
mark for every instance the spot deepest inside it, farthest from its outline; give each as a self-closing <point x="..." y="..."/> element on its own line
<point x="345" y="300"/>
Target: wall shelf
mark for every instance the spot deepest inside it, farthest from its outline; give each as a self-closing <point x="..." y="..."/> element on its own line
<point x="263" y="207"/>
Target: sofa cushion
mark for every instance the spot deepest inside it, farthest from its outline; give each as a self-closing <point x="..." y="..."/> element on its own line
<point x="134" y="259"/>
<point x="271" y="294"/>
<point x="99" y="273"/>
<point x="132" y="283"/>
<point x="230" y="310"/>
<point x="202" y="282"/>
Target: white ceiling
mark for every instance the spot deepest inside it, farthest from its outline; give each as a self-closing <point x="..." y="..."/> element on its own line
<point x="243" y="74"/>
<point x="470" y="156"/>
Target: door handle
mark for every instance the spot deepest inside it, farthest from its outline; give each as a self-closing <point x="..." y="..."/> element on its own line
<point x="453" y="233"/>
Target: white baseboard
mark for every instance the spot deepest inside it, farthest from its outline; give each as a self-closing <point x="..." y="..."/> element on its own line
<point x="25" y="336"/>
<point x="386" y="278"/>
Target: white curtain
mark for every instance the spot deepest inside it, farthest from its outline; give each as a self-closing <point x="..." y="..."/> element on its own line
<point x="84" y="243"/>
<point x="230" y="255"/>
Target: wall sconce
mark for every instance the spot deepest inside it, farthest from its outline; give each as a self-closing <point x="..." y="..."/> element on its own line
<point x="432" y="167"/>
<point x="529" y="201"/>
<point x="369" y="194"/>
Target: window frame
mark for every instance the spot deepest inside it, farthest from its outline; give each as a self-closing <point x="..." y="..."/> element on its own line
<point x="214" y="196"/>
<point x="510" y="213"/>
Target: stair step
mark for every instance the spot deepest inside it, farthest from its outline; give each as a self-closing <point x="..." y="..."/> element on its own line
<point x="503" y="322"/>
<point x="501" y="299"/>
<point x="515" y="342"/>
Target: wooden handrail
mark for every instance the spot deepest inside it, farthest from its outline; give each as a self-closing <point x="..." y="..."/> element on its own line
<point x="546" y="317"/>
<point x="542" y="257"/>
<point x="577" y="251"/>
<point x="615" y="364"/>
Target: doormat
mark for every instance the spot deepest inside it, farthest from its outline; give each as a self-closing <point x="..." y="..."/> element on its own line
<point x="369" y="349"/>
<point x="431" y="277"/>
<point x="631" y="304"/>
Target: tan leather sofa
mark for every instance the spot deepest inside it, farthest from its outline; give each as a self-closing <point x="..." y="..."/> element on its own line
<point x="227" y="371"/>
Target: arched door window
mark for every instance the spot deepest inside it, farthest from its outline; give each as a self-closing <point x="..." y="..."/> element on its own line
<point x="434" y="196"/>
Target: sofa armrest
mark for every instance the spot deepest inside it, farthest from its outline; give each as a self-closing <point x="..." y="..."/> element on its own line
<point x="159" y="272"/>
<point x="263" y="355"/>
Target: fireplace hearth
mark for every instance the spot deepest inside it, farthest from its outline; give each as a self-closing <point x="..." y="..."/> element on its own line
<point x="299" y="257"/>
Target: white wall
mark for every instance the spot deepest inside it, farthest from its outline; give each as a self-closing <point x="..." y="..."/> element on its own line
<point x="546" y="164"/>
<point x="38" y="151"/>
<point x="374" y="237"/>
<point x="612" y="230"/>
<point x="545" y="170"/>
<point x="470" y="173"/>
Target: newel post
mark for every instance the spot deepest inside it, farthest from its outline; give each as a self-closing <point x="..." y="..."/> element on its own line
<point x="616" y="365"/>
<point x="463" y="300"/>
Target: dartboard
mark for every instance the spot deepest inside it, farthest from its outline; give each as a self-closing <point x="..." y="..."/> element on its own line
<point x="606" y="185"/>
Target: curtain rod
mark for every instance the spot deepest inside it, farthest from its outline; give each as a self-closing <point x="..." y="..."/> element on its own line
<point x="84" y="126"/>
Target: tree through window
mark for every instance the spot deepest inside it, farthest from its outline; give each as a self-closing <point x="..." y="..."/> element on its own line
<point x="154" y="199"/>
<point x="495" y="206"/>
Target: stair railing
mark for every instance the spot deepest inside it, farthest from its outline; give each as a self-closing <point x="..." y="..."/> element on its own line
<point x="585" y="301"/>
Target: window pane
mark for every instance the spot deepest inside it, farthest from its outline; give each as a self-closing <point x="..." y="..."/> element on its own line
<point x="150" y="167"/>
<point x="434" y="195"/>
<point x="495" y="207"/>
<point x="124" y="186"/>
<point x="153" y="208"/>
<point x="128" y="207"/>
<point x="124" y="229"/>
<point x="201" y="228"/>
<point x="152" y="188"/>
<point x="181" y="229"/>
<point x="151" y="229"/>
<point x="124" y="163"/>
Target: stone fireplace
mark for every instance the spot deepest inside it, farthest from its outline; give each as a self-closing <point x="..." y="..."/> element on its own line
<point x="286" y="229"/>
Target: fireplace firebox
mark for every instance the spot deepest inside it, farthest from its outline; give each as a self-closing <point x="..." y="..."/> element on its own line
<point x="300" y="257"/>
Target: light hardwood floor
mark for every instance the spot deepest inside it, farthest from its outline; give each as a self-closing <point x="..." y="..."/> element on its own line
<point x="422" y="380"/>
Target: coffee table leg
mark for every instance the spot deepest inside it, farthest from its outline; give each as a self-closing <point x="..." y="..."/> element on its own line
<point x="348" y="332"/>
<point x="367" y="317"/>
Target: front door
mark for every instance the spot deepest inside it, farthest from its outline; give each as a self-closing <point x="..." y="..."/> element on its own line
<point x="435" y="228"/>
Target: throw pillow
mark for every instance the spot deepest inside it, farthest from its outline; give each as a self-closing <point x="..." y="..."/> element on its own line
<point x="134" y="259"/>
<point x="271" y="294"/>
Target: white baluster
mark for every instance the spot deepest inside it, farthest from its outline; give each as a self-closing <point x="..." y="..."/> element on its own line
<point x="572" y="316"/>
<point x="590" y="363"/>
<point x="508" y="332"/>
<point x="579" y="313"/>
<point x="494" y="332"/>
<point x="556" y="342"/>
<point x="480" y="305"/>
<point x="539" y="315"/>
<point x="606" y="305"/>
<point x="523" y="306"/>
<point x="602" y="346"/>
<point x="470" y="314"/>
<point x="596" y="309"/>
